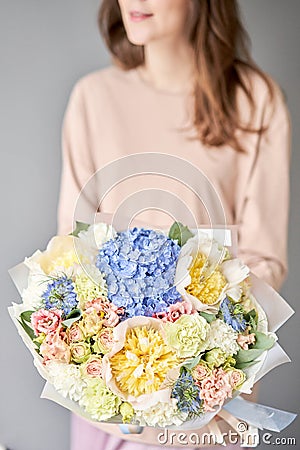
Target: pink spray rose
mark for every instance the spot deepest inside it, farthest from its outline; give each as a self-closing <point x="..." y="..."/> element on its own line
<point x="93" y="367"/>
<point x="245" y="340"/>
<point x="175" y="311"/>
<point x="75" y="333"/>
<point x="46" y="321"/>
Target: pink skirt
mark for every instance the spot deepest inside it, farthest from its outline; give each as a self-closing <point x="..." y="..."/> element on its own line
<point x="85" y="436"/>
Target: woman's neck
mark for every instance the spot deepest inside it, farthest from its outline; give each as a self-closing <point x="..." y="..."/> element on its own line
<point x="169" y="65"/>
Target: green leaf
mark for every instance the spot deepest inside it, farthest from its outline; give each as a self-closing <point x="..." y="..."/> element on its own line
<point x="263" y="341"/>
<point x="191" y="363"/>
<point x="248" y="355"/>
<point x="208" y="317"/>
<point x="27" y="329"/>
<point x="74" y="316"/>
<point x="80" y="226"/>
<point x="26" y="316"/>
<point x="180" y="233"/>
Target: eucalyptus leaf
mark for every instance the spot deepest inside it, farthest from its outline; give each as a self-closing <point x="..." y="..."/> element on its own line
<point x="180" y="233"/>
<point x="245" y="364"/>
<point x="191" y="363"/>
<point x="250" y="355"/>
<point x="208" y="317"/>
<point x="80" y="226"/>
<point x="263" y="341"/>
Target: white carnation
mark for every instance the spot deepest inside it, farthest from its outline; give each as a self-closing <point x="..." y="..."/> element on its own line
<point x="66" y="378"/>
<point x="161" y="414"/>
<point x="222" y="336"/>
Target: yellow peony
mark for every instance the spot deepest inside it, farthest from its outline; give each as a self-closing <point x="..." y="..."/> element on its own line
<point x="141" y="366"/>
<point x="206" y="289"/>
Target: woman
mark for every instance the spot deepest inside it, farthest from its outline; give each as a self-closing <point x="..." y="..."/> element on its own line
<point x="182" y="83"/>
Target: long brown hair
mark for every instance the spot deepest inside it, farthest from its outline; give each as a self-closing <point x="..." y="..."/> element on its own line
<point x="223" y="63"/>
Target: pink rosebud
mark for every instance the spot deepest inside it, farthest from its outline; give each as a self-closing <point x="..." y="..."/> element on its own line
<point x="245" y="340"/>
<point x="178" y="309"/>
<point x="200" y="372"/>
<point x="98" y="304"/>
<point x="161" y="316"/>
<point x="237" y="377"/>
<point x="54" y="347"/>
<point x="94" y="367"/>
<point x="46" y="321"/>
<point x="75" y="333"/>
<point x="111" y="318"/>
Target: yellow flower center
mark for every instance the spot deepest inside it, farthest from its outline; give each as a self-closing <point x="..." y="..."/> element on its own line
<point x="207" y="290"/>
<point x="142" y="364"/>
<point x="66" y="260"/>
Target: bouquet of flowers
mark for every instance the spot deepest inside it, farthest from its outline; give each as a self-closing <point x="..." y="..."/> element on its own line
<point x="142" y="326"/>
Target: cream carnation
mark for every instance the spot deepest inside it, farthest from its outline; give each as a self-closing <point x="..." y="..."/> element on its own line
<point x="222" y="336"/>
<point x="66" y="378"/>
<point x="98" y="400"/>
<point x="162" y="414"/>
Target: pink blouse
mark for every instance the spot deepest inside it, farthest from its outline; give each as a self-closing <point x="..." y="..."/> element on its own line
<point x="114" y="113"/>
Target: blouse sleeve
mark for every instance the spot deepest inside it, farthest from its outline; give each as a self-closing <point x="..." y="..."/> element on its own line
<point x="263" y="227"/>
<point x="77" y="165"/>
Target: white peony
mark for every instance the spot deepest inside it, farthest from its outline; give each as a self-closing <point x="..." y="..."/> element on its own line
<point x="66" y="378"/>
<point x="161" y="414"/>
<point x="222" y="336"/>
<point x="233" y="270"/>
<point x="96" y="235"/>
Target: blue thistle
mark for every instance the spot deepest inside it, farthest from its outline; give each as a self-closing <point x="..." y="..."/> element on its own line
<point x="188" y="394"/>
<point x="231" y="316"/>
<point x="60" y="294"/>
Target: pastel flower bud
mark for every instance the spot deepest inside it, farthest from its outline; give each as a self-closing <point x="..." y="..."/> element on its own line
<point x="80" y="351"/>
<point x="127" y="412"/>
<point x="215" y="357"/>
<point x="103" y="341"/>
<point x="75" y="333"/>
<point x="92" y="367"/>
<point x="237" y="378"/>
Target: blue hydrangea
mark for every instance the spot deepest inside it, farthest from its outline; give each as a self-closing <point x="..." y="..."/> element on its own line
<point x="187" y="394"/>
<point x="139" y="267"/>
<point x="60" y="294"/>
<point x="231" y="317"/>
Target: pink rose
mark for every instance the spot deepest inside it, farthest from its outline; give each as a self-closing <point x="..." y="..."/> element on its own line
<point x="237" y="377"/>
<point x="93" y="367"/>
<point x="175" y="311"/>
<point x="97" y="304"/>
<point x="215" y="389"/>
<point x="46" y="321"/>
<point x="245" y="340"/>
<point x="75" y="333"/>
<point x="161" y="316"/>
<point x="200" y="372"/>
<point x="54" y="347"/>
<point x="104" y="341"/>
<point x="105" y="309"/>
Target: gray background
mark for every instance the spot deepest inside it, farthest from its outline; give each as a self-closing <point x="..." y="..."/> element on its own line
<point x="45" y="47"/>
